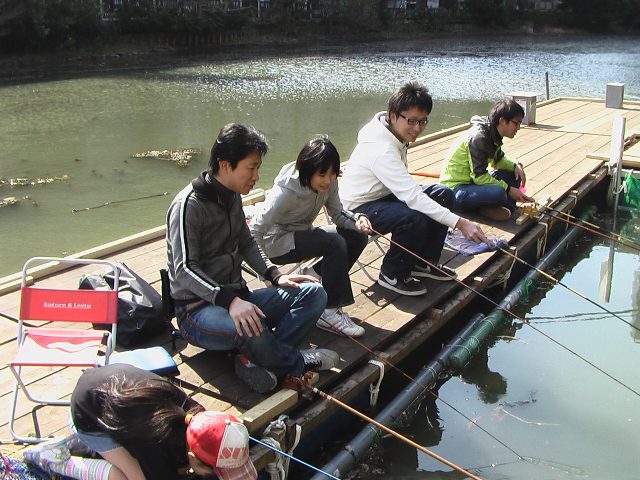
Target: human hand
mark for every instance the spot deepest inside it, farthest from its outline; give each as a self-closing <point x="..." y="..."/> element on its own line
<point x="363" y="224"/>
<point x="517" y="195"/>
<point x="294" y="280"/>
<point x="519" y="174"/>
<point x="472" y="231"/>
<point x="246" y="316"/>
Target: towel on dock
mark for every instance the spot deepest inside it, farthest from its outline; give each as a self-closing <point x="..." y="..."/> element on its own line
<point x="456" y="240"/>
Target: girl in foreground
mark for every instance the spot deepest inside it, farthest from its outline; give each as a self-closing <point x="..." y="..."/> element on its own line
<point x="144" y="427"/>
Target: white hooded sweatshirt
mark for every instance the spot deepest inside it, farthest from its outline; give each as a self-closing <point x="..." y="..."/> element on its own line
<point x="378" y="167"/>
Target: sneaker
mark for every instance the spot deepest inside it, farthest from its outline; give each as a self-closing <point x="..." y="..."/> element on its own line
<point x="259" y="379"/>
<point x="51" y="451"/>
<point x="339" y="322"/>
<point x="406" y="286"/>
<point x="497" y="214"/>
<point x="441" y="273"/>
<point x="318" y="359"/>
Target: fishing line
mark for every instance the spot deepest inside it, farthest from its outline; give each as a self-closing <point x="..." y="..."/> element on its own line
<point x="381" y="426"/>
<point x="523" y="320"/>
<point x="601" y="232"/>
<point x="293" y="458"/>
<point x="572" y="290"/>
<point x="107" y="204"/>
<point x="430" y="392"/>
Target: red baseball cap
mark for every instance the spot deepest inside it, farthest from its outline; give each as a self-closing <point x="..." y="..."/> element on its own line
<point x="220" y="440"/>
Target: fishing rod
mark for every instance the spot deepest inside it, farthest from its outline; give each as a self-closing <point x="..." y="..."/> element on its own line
<point x="595" y="228"/>
<point x="277" y="450"/>
<point x="426" y="389"/>
<point x="425" y="174"/>
<point x="572" y="290"/>
<point x="114" y="202"/>
<point x="517" y="317"/>
<point x="381" y="426"/>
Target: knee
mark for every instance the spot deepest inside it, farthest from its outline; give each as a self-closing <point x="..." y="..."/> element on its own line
<point x="314" y="294"/>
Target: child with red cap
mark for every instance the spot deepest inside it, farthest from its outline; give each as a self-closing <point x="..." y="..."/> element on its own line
<point x="144" y="427"/>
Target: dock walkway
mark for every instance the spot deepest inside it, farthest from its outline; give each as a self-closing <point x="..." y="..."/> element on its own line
<point x="563" y="154"/>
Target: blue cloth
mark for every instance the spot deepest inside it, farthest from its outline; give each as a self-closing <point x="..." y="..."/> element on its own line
<point x="456" y="240"/>
<point x="17" y="469"/>
<point x="290" y="313"/>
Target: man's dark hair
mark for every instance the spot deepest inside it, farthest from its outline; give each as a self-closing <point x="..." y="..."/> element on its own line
<point x="317" y="155"/>
<point x="507" y="109"/>
<point x="235" y="142"/>
<point x="411" y="94"/>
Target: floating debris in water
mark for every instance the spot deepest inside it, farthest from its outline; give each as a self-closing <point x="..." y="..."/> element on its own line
<point x="181" y="156"/>
<point x="27" y="181"/>
<point x="9" y="201"/>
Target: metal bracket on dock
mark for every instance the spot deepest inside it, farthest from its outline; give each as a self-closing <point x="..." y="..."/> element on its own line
<point x="374" y="388"/>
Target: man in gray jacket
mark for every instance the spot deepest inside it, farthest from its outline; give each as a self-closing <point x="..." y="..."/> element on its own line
<point x="207" y="241"/>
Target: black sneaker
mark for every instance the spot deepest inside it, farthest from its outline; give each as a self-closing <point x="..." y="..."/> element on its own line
<point x="257" y="378"/>
<point x="441" y="273"/>
<point x="318" y="359"/>
<point x="406" y="286"/>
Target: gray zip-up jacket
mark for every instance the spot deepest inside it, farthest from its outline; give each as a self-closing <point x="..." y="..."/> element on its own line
<point x="290" y="207"/>
<point x="207" y="240"/>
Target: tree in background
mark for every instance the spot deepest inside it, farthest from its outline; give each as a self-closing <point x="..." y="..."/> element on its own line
<point x="50" y="24"/>
<point x="599" y="16"/>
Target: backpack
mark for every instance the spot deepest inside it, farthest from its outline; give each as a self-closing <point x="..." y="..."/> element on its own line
<point x="140" y="310"/>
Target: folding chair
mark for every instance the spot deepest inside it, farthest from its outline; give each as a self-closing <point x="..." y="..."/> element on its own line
<point x="51" y="347"/>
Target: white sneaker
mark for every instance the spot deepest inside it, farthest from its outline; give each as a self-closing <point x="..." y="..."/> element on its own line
<point x="338" y="322"/>
<point x="318" y="359"/>
<point x="50" y="451"/>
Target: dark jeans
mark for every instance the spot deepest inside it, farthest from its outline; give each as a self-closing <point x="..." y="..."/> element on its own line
<point x="289" y="315"/>
<point x="473" y="197"/>
<point x="339" y="249"/>
<point x="413" y="230"/>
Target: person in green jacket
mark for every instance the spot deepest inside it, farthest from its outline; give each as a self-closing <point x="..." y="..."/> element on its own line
<point x="465" y="169"/>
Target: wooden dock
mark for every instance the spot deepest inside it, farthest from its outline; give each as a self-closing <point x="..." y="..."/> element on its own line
<point x="564" y="154"/>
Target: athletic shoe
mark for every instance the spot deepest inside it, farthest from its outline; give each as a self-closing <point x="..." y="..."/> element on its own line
<point x="258" y="379"/>
<point x="318" y="359"/>
<point x="441" y="273"/>
<point x="51" y="451"/>
<point x="338" y="322"/>
<point x="406" y="286"/>
<point x="497" y="214"/>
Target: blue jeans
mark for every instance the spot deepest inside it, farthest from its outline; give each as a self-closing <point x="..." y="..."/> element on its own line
<point x="339" y="249"/>
<point x="289" y="315"/>
<point x="413" y="230"/>
<point x="472" y="197"/>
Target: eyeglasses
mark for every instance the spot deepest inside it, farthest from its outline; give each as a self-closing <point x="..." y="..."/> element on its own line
<point x="414" y="121"/>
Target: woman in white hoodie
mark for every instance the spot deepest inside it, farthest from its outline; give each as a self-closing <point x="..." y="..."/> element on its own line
<point x="284" y="228"/>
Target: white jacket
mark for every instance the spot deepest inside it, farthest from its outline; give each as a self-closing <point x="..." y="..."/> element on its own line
<point x="378" y="167"/>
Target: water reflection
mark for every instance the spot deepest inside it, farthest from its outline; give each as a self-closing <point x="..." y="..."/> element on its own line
<point x="88" y="127"/>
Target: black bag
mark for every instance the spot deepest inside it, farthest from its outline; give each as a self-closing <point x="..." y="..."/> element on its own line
<point x="140" y="313"/>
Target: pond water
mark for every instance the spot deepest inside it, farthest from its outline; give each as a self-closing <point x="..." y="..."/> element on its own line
<point x="84" y="130"/>
<point x="568" y="420"/>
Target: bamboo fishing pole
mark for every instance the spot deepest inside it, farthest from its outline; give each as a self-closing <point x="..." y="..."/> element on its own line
<point x="381" y="426"/>
<point x="595" y="228"/>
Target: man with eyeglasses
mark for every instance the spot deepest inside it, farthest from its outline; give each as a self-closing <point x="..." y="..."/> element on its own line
<point x="465" y="169"/>
<point x="376" y="182"/>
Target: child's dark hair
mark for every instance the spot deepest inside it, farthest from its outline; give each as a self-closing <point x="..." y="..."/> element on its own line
<point x="411" y="94"/>
<point x="147" y="410"/>
<point x="317" y="155"/>
<point x="235" y="142"/>
<point x="507" y="109"/>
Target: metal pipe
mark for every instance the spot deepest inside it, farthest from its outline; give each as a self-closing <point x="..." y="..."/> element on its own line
<point x="359" y="446"/>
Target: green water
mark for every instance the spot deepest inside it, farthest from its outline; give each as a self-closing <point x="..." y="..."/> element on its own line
<point x="564" y="417"/>
<point x="89" y="127"/>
